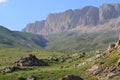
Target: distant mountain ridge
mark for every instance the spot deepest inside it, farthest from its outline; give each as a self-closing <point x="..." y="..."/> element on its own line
<point x="17" y="39"/>
<point x="87" y="19"/>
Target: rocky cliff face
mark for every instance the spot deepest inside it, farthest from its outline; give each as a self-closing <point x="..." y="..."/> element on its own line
<point x="78" y="19"/>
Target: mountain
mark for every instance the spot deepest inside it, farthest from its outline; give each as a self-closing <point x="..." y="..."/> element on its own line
<point x="86" y="20"/>
<point x="73" y="42"/>
<point x="10" y="38"/>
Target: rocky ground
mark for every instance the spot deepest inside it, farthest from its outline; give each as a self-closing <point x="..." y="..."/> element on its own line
<point x="98" y="65"/>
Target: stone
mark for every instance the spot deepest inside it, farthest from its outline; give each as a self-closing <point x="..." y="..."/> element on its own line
<point x="117" y="44"/>
<point x="29" y="60"/>
<point x="62" y="59"/>
<point x="54" y="58"/>
<point x="71" y="77"/>
<point x="81" y="64"/>
<point x="96" y="72"/>
<point x="110" y="75"/>
<point x="69" y="60"/>
<point x="93" y="68"/>
<point x="31" y="77"/>
<point x="97" y="52"/>
<point x="98" y="56"/>
<point x="111" y="46"/>
<point x="107" y="69"/>
<point x="118" y="63"/>
<point x="9" y="69"/>
<point x="82" y="54"/>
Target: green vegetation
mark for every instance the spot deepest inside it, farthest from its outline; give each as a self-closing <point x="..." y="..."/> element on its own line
<point x="76" y="42"/>
<point x="69" y="42"/>
<point x="18" y="39"/>
<point x="66" y="43"/>
<point x="53" y="71"/>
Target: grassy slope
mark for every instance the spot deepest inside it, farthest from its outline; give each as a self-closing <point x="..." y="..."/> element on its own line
<point x="75" y="42"/>
<point x="52" y="72"/>
<point x="18" y="39"/>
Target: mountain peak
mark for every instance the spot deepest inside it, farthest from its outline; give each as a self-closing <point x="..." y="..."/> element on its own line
<point x="78" y="19"/>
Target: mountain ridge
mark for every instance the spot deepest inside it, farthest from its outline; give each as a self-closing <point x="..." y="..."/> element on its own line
<point x="18" y="39"/>
<point x="78" y="19"/>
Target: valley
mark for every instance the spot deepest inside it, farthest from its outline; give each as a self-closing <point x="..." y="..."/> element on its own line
<point x="76" y="44"/>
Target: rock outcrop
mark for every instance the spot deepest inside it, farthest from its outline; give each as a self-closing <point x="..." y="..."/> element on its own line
<point x="29" y="60"/>
<point x="9" y="69"/>
<point x="31" y="77"/>
<point x="114" y="46"/>
<point x="25" y="63"/>
<point x="118" y="63"/>
<point x="88" y="19"/>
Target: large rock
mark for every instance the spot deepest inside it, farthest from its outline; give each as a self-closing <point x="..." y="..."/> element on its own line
<point x="30" y="60"/>
<point x="9" y="69"/>
<point x="71" y="77"/>
<point x="117" y="44"/>
<point x="94" y="68"/>
<point x="24" y="63"/>
<point x="114" y="46"/>
<point x="31" y="77"/>
<point x="54" y="58"/>
<point x="111" y="48"/>
<point x="111" y="75"/>
<point x="118" y="63"/>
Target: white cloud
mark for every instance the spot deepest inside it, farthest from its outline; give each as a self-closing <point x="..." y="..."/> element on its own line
<point x="2" y="1"/>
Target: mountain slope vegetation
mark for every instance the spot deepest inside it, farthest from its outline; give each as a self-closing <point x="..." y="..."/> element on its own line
<point x="89" y="66"/>
<point x="70" y="42"/>
<point x="19" y="39"/>
<point x="76" y="42"/>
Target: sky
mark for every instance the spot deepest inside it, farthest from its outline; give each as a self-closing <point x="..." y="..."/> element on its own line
<point x="15" y="14"/>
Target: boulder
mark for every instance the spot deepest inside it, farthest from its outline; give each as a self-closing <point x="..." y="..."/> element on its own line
<point x="71" y="77"/>
<point x="118" y="63"/>
<point x="54" y="58"/>
<point x="110" y="75"/>
<point x="97" y="52"/>
<point x="62" y="59"/>
<point x="117" y="44"/>
<point x="82" y="54"/>
<point x="78" y="54"/>
<point x="81" y="64"/>
<point x="29" y="60"/>
<point x="98" y="56"/>
<point x="111" y="47"/>
<point x="96" y="72"/>
<point x="9" y="69"/>
<point x="31" y="77"/>
<point x="94" y="68"/>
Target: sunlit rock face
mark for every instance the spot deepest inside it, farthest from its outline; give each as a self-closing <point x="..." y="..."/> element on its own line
<point x="87" y="19"/>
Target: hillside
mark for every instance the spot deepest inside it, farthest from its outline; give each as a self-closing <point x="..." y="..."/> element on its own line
<point x="73" y="42"/>
<point x="70" y="42"/>
<point x="98" y="65"/>
<point x="88" y="19"/>
<point x="20" y="39"/>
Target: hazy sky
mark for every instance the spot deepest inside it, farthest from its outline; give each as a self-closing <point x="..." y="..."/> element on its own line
<point x="15" y="14"/>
